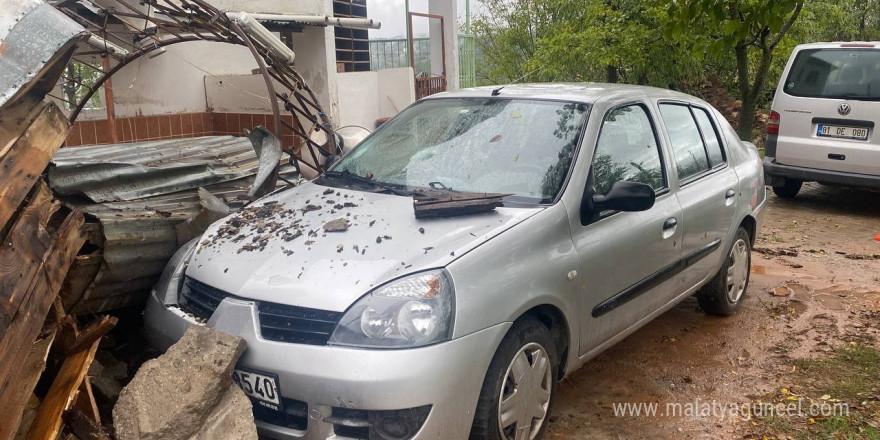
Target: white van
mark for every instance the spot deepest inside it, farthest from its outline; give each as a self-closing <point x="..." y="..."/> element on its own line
<point x="821" y="127"/>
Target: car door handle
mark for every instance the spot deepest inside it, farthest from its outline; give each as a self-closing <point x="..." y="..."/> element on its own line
<point x="730" y="194"/>
<point x="669" y="227"/>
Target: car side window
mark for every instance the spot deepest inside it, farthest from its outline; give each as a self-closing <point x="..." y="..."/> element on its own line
<point x="687" y="145"/>
<point x="710" y="135"/>
<point x="627" y="149"/>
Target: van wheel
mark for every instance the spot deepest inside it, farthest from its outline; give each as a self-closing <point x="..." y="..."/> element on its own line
<point x="519" y="387"/>
<point x="789" y="190"/>
<point x="725" y="293"/>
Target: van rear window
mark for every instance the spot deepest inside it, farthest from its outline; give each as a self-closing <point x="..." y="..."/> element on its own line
<point x="835" y="73"/>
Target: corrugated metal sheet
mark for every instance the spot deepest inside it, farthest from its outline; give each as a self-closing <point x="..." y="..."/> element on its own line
<point x="145" y="198"/>
<point x="125" y="172"/>
<point x="36" y="39"/>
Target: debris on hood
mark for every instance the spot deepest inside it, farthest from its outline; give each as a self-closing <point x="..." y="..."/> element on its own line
<point x="338" y="225"/>
<point x="438" y="203"/>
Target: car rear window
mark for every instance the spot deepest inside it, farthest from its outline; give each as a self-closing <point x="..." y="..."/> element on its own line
<point x="847" y="73"/>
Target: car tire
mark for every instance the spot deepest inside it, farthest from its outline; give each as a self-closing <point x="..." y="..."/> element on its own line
<point x="724" y="294"/>
<point x="789" y="190"/>
<point x="524" y="346"/>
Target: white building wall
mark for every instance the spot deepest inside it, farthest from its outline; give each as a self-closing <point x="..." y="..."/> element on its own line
<point x="449" y="10"/>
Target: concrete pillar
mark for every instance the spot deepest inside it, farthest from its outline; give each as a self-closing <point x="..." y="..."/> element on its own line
<point x="449" y="10"/>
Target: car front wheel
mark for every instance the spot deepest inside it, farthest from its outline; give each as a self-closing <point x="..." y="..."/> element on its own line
<point x="724" y="294"/>
<point x="520" y="384"/>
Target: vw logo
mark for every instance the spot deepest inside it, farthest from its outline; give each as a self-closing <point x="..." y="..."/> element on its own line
<point x="843" y="109"/>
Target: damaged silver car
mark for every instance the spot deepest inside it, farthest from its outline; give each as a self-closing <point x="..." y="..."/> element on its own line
<point x="439" y="280"/>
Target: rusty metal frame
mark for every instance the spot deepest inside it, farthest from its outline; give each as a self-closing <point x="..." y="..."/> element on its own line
<point x="196" y="20"/>
<point x="412" y="55"/>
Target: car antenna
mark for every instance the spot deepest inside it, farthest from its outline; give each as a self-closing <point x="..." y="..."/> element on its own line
<point x="496" y="92"/>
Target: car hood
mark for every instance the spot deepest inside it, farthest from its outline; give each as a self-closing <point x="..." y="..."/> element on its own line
<point x="278" y="249"/>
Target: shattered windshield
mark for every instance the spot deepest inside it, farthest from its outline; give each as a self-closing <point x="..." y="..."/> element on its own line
<point x="520" y="147"/>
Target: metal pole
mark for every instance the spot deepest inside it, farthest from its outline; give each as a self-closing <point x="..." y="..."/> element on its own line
<point x="408" y="35"/>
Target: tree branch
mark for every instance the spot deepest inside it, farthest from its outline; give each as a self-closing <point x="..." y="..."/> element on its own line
<point x="787" y="25"/>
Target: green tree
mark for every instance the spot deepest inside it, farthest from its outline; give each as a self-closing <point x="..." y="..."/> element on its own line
<point x="751" y="29"/>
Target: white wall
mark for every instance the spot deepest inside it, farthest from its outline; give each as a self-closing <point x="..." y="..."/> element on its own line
<point x="173" y="82"/>
<point x="449" y="10"/>
<point x="365" y="97"/>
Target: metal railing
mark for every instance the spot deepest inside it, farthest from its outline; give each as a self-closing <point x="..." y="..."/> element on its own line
<point x="392" y="53"/>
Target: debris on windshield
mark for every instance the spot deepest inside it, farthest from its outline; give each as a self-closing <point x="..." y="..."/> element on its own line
<point x="338" y="225"/>
<point x="436" y="203"/>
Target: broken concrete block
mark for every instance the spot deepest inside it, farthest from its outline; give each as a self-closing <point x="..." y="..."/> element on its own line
<point x="171" y="397"/>
<point x="232" y="418"/>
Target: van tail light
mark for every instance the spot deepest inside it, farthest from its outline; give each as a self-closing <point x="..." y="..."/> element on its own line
<point x="773" y="123"/>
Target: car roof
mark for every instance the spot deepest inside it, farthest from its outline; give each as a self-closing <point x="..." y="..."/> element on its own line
<point x="578" y="92"/>
<point x="840" y="44"/>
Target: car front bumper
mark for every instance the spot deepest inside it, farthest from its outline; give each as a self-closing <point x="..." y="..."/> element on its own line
<point x="775" y="173"/>
<point x="446" y="376"/>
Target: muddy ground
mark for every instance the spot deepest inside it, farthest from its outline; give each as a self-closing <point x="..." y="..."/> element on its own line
<point x="827" y="276"/>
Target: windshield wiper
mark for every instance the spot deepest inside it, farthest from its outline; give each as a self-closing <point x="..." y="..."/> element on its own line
<point x="348" y="176"/>
<point x="859" y="97"/>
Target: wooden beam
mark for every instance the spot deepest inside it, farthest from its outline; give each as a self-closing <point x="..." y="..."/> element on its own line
<point x="30" y="362"/>
<point x="47" y="424"/>
<point x="16" y="118"/>
<point x="85" y="401"/>
<point x="22" y="163"/>
<point x="93" y="332"/>
<point x="22" y="252"/>
<point x="40" y="294"/>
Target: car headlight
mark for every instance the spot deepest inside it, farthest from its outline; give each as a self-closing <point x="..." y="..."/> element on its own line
<point x="172" y="276"/>
<point x="413" y="311"/>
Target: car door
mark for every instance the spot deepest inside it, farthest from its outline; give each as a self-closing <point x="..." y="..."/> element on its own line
<point x="707" y="188"/>
<point x="623" y="255"/>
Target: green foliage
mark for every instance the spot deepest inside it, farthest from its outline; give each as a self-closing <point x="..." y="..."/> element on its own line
<point x="672" y="44"/>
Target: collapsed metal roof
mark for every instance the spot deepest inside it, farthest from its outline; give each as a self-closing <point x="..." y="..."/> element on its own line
<point x="131" y="171"/>
<point x="36" y="41"/>
<point x="143" y="201"/>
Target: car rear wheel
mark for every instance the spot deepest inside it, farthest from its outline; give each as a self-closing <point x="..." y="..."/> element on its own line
<point x="789" y="190"/>
<point x="725" y="293"/>
<point x="519" y="387"/>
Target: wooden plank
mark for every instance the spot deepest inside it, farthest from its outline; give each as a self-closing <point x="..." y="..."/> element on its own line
<point x="25" y="160"/>
<point x="16" y="118"/>
<point x="31" y="362"/>
<point x="60" y="397"/>
<point x="85" y="401"/>
<point x="22" y="252"/>
<point x="93" y="332"/>
<point x="434" y="203"/>
<point x="41" y="294"/>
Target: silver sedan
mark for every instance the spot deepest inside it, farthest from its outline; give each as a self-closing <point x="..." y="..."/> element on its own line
<point x="363" y="321"/>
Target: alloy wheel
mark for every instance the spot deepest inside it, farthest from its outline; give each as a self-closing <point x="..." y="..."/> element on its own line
<point x="525" y="394"/>
<point x="737" y="270"/>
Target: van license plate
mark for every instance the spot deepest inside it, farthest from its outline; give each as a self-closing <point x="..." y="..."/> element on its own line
<point x="837" y="131"/>
<point x="262" y="387"/>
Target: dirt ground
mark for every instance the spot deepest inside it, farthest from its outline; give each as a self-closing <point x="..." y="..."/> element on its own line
<point x="818" y="255"/>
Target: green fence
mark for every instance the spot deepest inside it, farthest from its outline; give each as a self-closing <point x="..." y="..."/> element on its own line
<point x="389" y="54"/>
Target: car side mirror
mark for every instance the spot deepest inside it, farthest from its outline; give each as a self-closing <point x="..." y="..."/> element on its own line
<point x="626" y="196"/>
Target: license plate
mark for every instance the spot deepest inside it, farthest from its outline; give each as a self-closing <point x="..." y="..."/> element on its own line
<point x="837" y="131"/>
<point x="262" y="387"/>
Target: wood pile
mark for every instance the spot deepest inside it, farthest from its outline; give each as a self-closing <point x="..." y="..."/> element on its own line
<point x="40" y="241"/>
